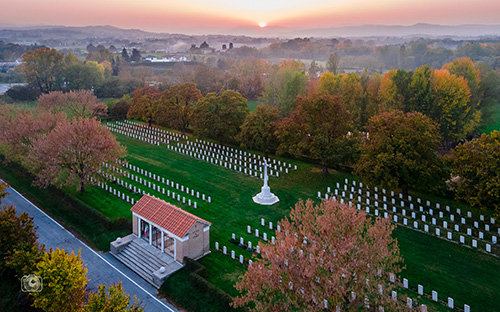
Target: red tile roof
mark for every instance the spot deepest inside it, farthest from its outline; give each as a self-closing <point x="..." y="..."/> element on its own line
<point x="166" y="215"/>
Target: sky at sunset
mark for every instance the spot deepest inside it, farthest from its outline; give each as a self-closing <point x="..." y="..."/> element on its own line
<point x="203" y="16"/>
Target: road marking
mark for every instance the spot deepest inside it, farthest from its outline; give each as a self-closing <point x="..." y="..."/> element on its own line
<point x="106" y="261"/>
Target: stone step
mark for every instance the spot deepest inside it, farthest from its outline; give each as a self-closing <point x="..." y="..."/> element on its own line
<point x="164" y="257"/>
<point x="144" y="266"/>
<point x="132" y="265"/>
<point x="142" y="263"/>
<point x="146" y="256"/>
<point x="148" y="251"/>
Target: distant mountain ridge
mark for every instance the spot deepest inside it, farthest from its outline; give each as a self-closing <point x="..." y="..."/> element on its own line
<point x="34" y="33"/>
<point x="421" y="29"/>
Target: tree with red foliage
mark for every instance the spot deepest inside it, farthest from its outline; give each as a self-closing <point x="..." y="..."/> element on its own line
<point x="318" y="128"/>
<point x="326" y="256"/>
<point x="73" y="152"/>
<point x="80" y="103"/>
<point x="18" y="129"/>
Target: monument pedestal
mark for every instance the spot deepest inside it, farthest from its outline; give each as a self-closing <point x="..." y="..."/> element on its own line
<point x="265" y="197"/>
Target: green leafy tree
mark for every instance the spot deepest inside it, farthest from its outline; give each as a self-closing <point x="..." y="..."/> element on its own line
<point x="350" y="89"/>
<point x="283" y="86"/>
<point x="220" y="117"/>
<point x="125" y="56"/>
<point x="332" y="65"/>
<point x="318" y="128"/>
<point x="64" y="281"/>
<point x="400" y="152"/>
<point x="314" y="70"/>
<point x="112" y="300"/>
<point x="136" y="56"/>
<point x="258" y="130"/>
<point x="176" y="105"/>
<point x="421" y="93"/>
<point x="18" y="237"/>
<point x="44" y="69"/>
<point x="476" y="164"/>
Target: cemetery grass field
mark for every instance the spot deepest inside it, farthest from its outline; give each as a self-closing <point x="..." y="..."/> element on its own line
<point x="454" y="271"/>
<point x="494" y="118"/>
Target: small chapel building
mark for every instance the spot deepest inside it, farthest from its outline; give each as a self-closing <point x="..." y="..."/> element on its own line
<point x="170" y="229"/>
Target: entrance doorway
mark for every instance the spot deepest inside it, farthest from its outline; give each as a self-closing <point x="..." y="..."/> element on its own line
<point x="145" y="231"/>
<point x="156" y="237"/>
<point x="168" y="245"/>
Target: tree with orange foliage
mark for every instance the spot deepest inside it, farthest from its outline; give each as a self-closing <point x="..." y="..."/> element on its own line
<point x="80" y="103"/>
<point x="73" y="152"/>
<point x="144" y="101"/>
<point x="326" y="256"/>
<point x="464" y="67"/>
<point x="176" y="105"/>
<point x="452" y="109"/>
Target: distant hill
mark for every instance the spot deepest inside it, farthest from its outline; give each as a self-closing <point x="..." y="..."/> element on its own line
<point x="253" y="36"/>
<point x="424" y="30"/>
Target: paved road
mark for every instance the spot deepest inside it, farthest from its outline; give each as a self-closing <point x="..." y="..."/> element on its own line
<point x="103" y="268"/>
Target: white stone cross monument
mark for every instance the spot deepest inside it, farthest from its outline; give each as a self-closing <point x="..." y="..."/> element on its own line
<point x="265" y="197"/>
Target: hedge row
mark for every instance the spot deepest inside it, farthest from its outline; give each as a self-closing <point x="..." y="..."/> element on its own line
<point x="199" y="283"/>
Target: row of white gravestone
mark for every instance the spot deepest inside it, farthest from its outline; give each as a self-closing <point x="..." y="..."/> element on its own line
<point x="139" y="134"/>
<point x="151" y="130"/>
<point x="136" y="190"/>
<point x="247" y="166"/>
<point x="254" y="172"/>
<point x="119" y="194"/>
<point x="402" y="209"/>
<point x="162" y="180"/>
<point x="158" y="135"/>
<point x="416" y="225"/>
<point x="262" y="235"/>
<point x="154" y="187"/>
<point x="204" y="145"/>
<point x="409" y="200"/>
<point x="232" y="253"/>
<point x="145" y="138"/>
<point x="235" y="153"/>
<point x="434" y="294"/>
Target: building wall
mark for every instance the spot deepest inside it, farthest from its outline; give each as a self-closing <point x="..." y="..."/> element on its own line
<point x="135" y="225"/>
<point x="196" y="246"/>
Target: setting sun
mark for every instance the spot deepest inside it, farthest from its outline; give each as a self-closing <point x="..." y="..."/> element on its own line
<point x="262" y="24"/>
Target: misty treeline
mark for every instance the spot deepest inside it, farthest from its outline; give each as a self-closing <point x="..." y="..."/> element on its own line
<point x="358" y="54"/>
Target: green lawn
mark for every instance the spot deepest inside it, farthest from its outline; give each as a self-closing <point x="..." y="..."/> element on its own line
<point x="493" y="120"/>
<point x="252" y="105"/>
